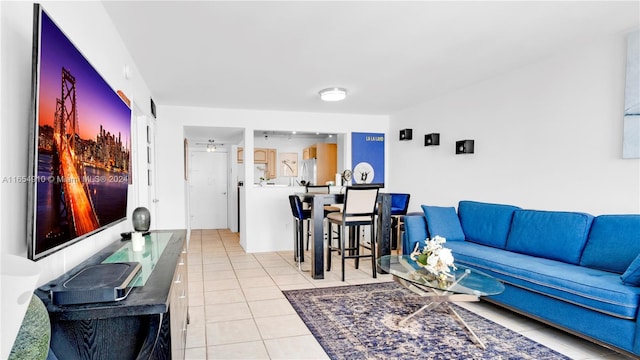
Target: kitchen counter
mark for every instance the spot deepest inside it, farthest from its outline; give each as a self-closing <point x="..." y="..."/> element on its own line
<point x="297" y="188"/>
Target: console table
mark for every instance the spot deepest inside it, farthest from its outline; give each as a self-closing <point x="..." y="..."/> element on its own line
<point x="151" y="323"/>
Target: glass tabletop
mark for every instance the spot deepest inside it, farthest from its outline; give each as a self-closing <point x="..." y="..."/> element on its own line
<point x="148" y="257"/>
<point x="464" y="280"/>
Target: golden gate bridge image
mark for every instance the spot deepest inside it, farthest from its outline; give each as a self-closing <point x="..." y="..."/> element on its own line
<point x="71" y="186"/>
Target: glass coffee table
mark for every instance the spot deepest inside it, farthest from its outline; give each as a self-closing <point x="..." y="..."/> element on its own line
<point x="465" y="284"/>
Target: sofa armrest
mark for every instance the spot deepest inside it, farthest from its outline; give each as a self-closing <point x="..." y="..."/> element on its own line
<point x="415" y="230"/>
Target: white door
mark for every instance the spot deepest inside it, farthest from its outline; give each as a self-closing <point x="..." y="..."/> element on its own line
<point x="144" y="164"/>
<point x="150" y="156"/>
<point x="208" y="190"/>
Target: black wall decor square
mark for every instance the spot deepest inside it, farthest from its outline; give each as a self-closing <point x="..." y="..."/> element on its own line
<point x="432" y="139"/>
<point x="464" y="147"/>
<point x="153" y="108"/>
<point x="406" y="134"/>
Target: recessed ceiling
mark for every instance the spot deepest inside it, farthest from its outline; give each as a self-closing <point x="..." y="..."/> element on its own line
<point x="389" y="55"/>
<point x="293" y="134"/>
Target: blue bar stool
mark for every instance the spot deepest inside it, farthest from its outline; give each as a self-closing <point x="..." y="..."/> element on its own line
<point x="299" y="218"/>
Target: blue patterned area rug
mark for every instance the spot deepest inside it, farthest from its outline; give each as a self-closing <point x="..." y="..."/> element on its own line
<point x="361" y="322"/>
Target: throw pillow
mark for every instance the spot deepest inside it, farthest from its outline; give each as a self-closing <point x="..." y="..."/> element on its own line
<point x="444" y="222"/>
<point x="632" y="275"/>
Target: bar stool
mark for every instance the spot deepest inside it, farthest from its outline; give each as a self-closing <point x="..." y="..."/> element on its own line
<point x="359" y="210"/>
<point x="399" y="207"/>
<point x="300" y="216"/>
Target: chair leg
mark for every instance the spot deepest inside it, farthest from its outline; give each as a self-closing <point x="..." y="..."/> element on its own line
<point x="329" y="254"/>
<point x="330" y="235"/>
<point x="356" y="246"/>
<point x="353" y="232"/>
<point x="301" y="240"/>
<point x="401" y="237"/>
<point x="342" y="254"/>
<point x="339" y="236"/>
<point x="307" y="232"/>
<point x="295" y="240"/>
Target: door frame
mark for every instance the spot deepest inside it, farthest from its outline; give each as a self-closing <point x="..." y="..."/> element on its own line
<point x="224" y="175"/>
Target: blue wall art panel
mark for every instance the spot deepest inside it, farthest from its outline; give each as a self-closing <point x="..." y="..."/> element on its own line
<point x="367" y="158"/>
<point x="631" y="138"/>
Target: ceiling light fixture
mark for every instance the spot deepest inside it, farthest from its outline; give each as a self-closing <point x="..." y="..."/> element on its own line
<point x="333" y="94"/>
<point x="211" y="146"/>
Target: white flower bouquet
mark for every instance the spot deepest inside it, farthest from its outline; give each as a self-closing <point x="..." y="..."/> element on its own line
<point x="435" y="258"/>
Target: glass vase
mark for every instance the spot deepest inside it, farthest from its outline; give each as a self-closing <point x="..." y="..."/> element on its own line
<point x="141" y="219"/>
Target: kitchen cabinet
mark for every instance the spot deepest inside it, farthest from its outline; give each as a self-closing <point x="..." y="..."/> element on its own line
<point x="326" y="156"/>
<point x="309" y="152"/>
<point x="263" y="156"/>
<point x="326" y="162"/>
<point x="260" y="156"/>
<point x="272" y="164"/>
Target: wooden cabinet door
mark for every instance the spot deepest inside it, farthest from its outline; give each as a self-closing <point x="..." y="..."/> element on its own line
<point x="240" y="155"/>
<point x="272" y="164"/>
<point x="327" y="164"/>
<point x="310" y="152"/>
<point x="260" y="156"/>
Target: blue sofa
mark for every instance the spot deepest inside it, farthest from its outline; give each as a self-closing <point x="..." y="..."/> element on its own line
<point x="572" y="270"/>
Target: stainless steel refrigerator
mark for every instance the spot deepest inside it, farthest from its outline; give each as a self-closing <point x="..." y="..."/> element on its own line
<point x="309" y="171"/>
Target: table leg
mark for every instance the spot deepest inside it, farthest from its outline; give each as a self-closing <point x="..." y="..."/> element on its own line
<point x="317" y="249"/>
<point x="429" y="306"/>
<point x="473" y="336"/>
<point x="383" y="231"/>
<point x="437" y="298"/>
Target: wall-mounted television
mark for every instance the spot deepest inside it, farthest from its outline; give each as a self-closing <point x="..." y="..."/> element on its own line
<point x="80" y="145"/>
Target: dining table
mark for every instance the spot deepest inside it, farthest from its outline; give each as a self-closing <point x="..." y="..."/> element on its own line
<point x="317" y="203"/>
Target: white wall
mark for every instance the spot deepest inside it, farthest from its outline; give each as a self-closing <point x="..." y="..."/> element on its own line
<point x="547" y="136"/>
<point x="171" y="122"/>
<point x="91" y="30"/>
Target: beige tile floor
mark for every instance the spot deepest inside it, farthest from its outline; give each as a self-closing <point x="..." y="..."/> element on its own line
<point x="238" y="311"/>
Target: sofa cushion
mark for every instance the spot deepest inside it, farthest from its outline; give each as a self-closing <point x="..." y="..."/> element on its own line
<point x="444" y="222"/>
<point x="632" y="275"/>
<point x="594" y="289"/>
<point x="415" y="231"/>
<point x="613" y="243"/>
<point x="485" y="223"/>
<point x="555" y="235"/>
